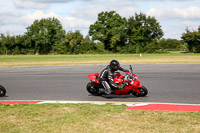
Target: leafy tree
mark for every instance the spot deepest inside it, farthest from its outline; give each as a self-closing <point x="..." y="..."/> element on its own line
<point x="20" y="45"/>
<point x="43" y="35"/>
<point x="8" y="42"/>
<point x="169" y="44"/>
<point x="121" y="35"/>
<point x="143" y="31"/>
<point x="12" y="44"/>
<point x="87" y="46"/>
<point x="109" y="29"/>
<point x="100" y="48"/>
<point x="3" y="49"/>
<point x="75" y="43"/>
<point x="192" y="39"/>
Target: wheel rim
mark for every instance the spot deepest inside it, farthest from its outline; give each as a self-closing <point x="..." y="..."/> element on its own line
<point x="1" y="93"/>
<point x="92" y="89"/>
<point x="142" y="92"/>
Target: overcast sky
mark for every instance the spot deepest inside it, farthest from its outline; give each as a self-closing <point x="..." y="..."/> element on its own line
<point x="174" y="16"/>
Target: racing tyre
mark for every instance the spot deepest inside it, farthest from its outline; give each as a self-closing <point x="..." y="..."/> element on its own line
<point x="93" y="90"/>
<point x="143" y="91"/>
<point x="2" y="91"/>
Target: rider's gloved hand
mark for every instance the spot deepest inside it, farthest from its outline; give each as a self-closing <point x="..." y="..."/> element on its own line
<point x="126" y="83"/>
<point x="135" y="79"/>
<point x="125" y="70"/>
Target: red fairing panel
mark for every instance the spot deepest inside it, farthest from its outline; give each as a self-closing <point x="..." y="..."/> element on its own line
<point x="93" y="77"/>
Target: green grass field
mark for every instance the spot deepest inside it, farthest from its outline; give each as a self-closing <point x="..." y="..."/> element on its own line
<point x="87" y="118"/>
<point x="40" y="60"/>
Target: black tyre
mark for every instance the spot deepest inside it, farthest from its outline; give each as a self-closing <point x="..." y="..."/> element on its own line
<point x="2" y="91"/>
<point x="93" y="90"/>
<point x="143" y="91"/>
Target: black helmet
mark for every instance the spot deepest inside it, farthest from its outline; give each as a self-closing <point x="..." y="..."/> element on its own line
<point x="114" y="64"/>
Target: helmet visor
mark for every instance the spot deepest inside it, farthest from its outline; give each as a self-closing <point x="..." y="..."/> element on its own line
<point x="116" y="68"/>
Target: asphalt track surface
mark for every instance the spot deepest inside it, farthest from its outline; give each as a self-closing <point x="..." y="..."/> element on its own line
<point x="166" y="83"/>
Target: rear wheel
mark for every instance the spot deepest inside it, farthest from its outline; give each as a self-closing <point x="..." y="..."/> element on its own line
<point x="2" y="91"/>
<point x="93" y="90"/>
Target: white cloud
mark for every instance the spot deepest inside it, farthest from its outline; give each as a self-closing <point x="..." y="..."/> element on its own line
<point x="128" y="12"/>
<point x="42" y="3"/>
<point x="71" y="23"/>
<point x="7" y="17"/>
<point x="88" y="12"/>
<point x="57" y="1"/>
<point x="75" y="23"/>
<point x="191" y="12"/>
<point x="91" y="11"/>
<point x="37" y="15"/>
<point x="29" y="4"/>
<point x="191" y="25"/>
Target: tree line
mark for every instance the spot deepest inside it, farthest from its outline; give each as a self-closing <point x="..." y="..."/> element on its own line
<point x="111" y="33"/>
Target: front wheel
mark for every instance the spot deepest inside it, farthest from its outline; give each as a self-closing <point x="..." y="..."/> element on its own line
<point x="143" y="92"/>
<point x="2" y="91"/>
<point x="93" y="90"/>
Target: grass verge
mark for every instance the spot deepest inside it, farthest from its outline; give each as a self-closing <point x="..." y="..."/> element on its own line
<point x="86" y="118"/>
<point x="40" y="60"/>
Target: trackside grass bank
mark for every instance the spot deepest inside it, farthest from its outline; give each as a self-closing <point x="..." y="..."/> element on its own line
<point x="40" y="60"/>
<point x="88" y="118"/>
